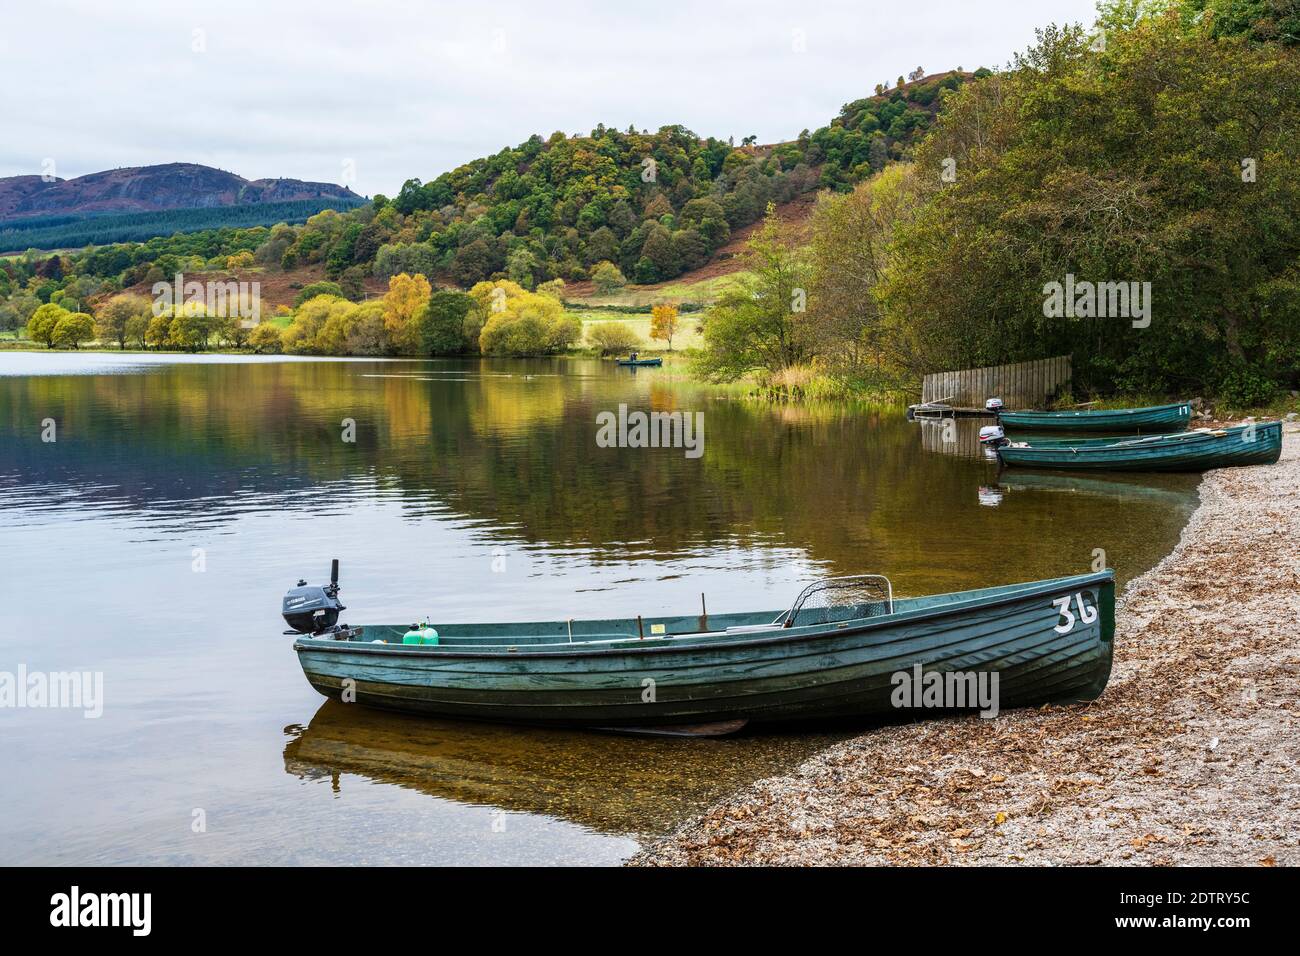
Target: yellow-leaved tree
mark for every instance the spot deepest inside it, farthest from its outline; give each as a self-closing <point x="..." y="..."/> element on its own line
<point x="519" y="322"/>
<point x="405" y="301"/>
<point x="663" y="323"/>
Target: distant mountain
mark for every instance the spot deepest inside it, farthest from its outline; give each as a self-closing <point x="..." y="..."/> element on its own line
<point x="139" y="189"/>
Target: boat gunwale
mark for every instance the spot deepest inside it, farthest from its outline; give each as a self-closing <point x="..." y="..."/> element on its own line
<point x="1065" y="414"/>
<point x="660" y="644"/>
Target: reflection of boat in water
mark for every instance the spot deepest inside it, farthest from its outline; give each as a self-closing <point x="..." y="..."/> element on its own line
<point x="1119" y="487"/>
<point x="608" y="783"/>
<point x="959" y="437"/>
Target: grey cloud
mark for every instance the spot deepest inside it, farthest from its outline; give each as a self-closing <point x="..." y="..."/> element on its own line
<point x="411" y="89"/>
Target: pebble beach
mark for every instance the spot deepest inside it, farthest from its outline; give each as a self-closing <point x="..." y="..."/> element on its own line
<point x="1190" y="757"/>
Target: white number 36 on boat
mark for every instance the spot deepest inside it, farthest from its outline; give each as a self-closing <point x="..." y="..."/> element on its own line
<point x="1087" y="611"/>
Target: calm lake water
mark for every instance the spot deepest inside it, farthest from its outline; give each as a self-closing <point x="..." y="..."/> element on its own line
<point x="152" y="542"/>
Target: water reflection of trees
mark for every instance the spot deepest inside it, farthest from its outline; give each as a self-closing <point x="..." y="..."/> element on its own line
<point x="514" y="448"/>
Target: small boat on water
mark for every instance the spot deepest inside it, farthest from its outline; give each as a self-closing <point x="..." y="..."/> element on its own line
<point x="842" y="650"/>
<point x="636" y="361"/>
<point x="1152" y="419"/>
<point x="928" y="410"/>
<point x="1204" y="448"/>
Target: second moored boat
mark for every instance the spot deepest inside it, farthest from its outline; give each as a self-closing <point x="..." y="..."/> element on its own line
<point x="1204" y="448"/>
<point x="1154" y="418"/>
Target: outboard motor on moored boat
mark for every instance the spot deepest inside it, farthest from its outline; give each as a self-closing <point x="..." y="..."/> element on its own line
<point x="993" y="405"/>
<point x="993" y="435"/>
<point x="309" y="609"/>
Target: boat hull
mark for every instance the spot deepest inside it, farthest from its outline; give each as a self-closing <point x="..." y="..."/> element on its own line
<point x="790" y="675"/>
<point x="642" y="363"/>
<point x="1158" y="418"/>
<point x="1197" y="452"/>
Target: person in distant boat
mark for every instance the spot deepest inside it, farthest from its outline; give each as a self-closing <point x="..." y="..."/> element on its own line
<point x="633" y="358"/>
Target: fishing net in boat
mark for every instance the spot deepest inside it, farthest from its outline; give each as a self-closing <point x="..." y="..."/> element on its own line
<point x="842" y="599"/>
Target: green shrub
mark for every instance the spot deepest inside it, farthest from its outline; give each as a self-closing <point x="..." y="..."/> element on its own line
<point x="315" y="289"/>
<point x="613" y="338"/>
<point x="1244" y="387"/>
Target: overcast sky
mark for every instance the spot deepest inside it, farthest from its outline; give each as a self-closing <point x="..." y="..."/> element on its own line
<point x="405" y="89"/>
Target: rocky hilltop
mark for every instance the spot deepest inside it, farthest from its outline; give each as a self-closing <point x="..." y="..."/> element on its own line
<point x="150" y="189"/>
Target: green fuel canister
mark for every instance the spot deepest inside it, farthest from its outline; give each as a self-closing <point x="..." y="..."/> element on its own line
<point x="420" y="634"/>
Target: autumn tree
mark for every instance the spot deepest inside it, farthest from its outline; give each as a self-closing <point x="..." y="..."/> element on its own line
<point x="192" y="328"/>
<point x="663" y="323"/>
<point x="41" y="326"/>
<point x="137" y="326"/>
<point x="519" y="322"/>
<point x="851" y="251"/>
<point x="265" y="338"/>
<point x="158" y="334"/>
<point x="406" y="299"/>
<point x="74" y="328"/>
<point x="319" y="327"/>
<point x="607" y="278"/>
<point x="613" y="338"/>
<point x="113" y="318"/>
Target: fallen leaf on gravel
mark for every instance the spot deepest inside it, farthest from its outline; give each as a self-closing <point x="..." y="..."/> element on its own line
<point x="997" y="778"/>
<point x="999" y="818"/>
<point x="1268" y="861"/>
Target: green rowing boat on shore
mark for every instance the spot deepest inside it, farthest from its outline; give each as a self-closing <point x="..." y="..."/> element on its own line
<point x="1156" y="418"/>
<point x="843" y="650"/>
<point x="1250" y="444"/>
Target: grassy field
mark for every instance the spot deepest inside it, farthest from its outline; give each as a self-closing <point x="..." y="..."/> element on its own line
<point x="702" y="290"/>
<point x="687" y="337"/>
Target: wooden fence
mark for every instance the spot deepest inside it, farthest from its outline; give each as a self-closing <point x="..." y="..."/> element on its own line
<point x="1022" y="385"/>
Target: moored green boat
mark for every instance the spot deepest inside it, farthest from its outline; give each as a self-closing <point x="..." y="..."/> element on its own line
<point x="1152" y="419"/>
<point x="838" y="652"/>
<point x="635" y="362"/>
<point x="1250" y="444"/>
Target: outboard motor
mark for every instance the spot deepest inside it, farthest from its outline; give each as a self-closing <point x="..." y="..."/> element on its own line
<point x="993" y="405"/>
<point x="311" y="609"/>
<point x="993" y="435"/>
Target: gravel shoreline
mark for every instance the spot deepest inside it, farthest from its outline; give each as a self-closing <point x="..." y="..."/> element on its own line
<point x="1190" y="757"/>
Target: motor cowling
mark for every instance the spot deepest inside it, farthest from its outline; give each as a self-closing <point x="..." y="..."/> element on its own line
<point x="313" y="609"/>
<point x="993" y="405"/>
<point x="993" y="435"/>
